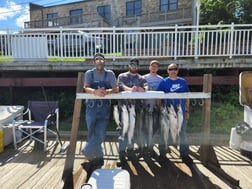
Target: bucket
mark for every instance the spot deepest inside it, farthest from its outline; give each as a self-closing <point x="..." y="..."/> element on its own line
<point x="1" y="140"/>
<point x="235" y="139"/>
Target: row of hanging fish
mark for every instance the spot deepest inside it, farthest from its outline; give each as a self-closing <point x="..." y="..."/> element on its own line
<point x="147" y="121"/>
<point x="127" y="120"/>
<point x="171" y="121"/>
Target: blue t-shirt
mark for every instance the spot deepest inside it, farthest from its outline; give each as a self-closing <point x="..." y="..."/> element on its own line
<point x="179" y="85"/>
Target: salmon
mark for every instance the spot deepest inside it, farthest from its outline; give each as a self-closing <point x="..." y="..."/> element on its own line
<point x="125" y="121"/>
<point x="173" y="123"/>
<point x="164" y="125"/>
<point x="132" y="121"/>
<point x="116" y="117"/>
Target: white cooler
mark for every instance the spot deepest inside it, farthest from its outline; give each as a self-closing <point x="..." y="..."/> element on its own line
<point x="109" y="179"/>
<point x="235" y="139"/>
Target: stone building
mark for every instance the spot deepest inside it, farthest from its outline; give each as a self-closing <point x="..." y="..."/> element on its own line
<point x="109" y="13"/>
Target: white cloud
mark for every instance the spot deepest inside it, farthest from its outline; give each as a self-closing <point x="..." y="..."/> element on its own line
<point x="10" y="10"/>
<point x="24" y="17"/>
<point x="2" y="32"/>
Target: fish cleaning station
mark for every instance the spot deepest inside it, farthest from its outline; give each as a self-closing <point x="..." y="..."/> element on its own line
<point x="205" y="153"/>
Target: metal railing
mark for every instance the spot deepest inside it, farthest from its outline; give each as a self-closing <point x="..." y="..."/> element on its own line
<point x="175" y="42"/>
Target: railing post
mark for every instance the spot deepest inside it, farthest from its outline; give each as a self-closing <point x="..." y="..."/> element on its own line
<point x="231" y="41"/>
<point x="9" y="44"/>
<point x="61" y="44"/>
<point x="114" y="33"/>
<point x="196" y="43"/>
<point x="176" y="41"/>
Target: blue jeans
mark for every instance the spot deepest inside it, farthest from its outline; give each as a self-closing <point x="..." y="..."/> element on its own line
<point x="183" y="147"/>
<point x="97" y="117"/>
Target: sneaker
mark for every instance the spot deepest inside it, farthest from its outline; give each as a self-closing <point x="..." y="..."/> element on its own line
<point x="162" y="158"/>
<point x="187" y="160"/>
<point x="122" y="158"/>
<point x="131" y="154"/>
<point x="97" y="162"/>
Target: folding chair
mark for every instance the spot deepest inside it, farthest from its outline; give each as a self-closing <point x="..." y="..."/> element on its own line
<point x="43" y="118"/>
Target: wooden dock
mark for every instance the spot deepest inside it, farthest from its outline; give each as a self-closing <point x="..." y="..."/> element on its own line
<point x="30" y="167"/>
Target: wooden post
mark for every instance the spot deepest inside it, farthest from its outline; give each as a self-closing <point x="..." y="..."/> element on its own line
<point x="206" y="113"/>
<point x="67" y="176"/>
<point x="206" y="150"/>
<point x="207" y="154"/>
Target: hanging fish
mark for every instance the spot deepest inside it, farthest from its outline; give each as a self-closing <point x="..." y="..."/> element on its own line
<point x="173" y="122"/>
<point x="139" y="126"/>
<point x="125" y="121"/>
<point x="180" y="117"/>
<point x="149" y="124"/>
<point x="164" y="125"/>
<point x="132" y="121"/>
<point x="117" y="117"/>
<point x="156" y="119"/>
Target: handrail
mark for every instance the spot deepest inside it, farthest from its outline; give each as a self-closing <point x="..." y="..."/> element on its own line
<point x="173" y="42"/>
<point x="147" y="95"/>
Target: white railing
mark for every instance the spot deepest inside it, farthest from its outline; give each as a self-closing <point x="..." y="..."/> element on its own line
<point x="145" y="42"/>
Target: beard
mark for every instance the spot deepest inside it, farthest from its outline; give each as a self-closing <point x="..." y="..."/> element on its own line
<point x="133" y="71"/>
<point x="99" y="67"/>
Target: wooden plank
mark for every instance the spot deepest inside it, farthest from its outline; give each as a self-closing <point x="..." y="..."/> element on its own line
<point x="148" y="95"/>
<point x="67" y="175"/>
<point x="71" y="82"/>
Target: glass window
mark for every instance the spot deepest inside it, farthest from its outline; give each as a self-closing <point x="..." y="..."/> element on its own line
<point x="76" y="16"/>
<point x="168" y="5"/>
<point x="104" y="11"/>
<point x="51" y="19"/>
<point x="133" y="8"/>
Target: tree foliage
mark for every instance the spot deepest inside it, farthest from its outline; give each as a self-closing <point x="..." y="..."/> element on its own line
<point x="218" y="12"/>
<point x="244" y="12"/>
<point x="226" y="11"/>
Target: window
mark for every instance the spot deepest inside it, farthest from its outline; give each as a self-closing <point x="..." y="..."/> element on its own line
<point x="51" y="19"/>
<point x="168" y="5"/>
<point x="76" y="16"/>
<point x="104" y="11"/>
<point x="133" y="8"/>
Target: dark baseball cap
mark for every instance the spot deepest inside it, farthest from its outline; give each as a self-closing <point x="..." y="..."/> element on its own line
<point x="98" y="54"/>
<point x="134" y="60"/>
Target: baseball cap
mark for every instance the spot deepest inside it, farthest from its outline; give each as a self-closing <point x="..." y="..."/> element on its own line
<point x="98" y="54"/>
<point x="154" y="62"/>
<point x="134" y="60"/>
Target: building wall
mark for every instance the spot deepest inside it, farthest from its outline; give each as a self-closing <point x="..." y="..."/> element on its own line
<point x="118" y="8"/>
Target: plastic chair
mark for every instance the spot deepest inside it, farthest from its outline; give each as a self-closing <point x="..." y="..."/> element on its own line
<point x="43" y="117"/>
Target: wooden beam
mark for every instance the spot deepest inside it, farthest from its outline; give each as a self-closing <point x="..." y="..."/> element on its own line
<point x="71" y="82"/>
<point x="67" y="175"/>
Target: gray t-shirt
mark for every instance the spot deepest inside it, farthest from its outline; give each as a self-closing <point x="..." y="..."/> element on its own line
<point x="107" y="77"/>
<point x="153" y="82"/>
<point x="130" y="80"/>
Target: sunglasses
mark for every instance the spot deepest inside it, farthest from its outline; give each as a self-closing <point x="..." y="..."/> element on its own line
<point x="173" y="69"/>
<point x="99" y="58"/>
<point x="133" y="64"/>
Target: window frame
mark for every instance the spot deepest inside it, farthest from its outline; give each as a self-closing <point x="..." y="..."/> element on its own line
<point x="135" y="9"/>
<point x="167" y="5"/>
<point x="104" y="11"/>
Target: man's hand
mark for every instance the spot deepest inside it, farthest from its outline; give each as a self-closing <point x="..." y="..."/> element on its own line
<point x="100" y="92"/>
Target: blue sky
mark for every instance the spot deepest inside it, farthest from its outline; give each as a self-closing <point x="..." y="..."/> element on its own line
<point x="13" y="13"/>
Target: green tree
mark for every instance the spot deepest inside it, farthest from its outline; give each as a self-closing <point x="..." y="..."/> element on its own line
<point x="244" y="12"/>
<point x="218" y="12"/>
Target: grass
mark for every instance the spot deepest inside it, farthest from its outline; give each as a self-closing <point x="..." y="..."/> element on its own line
<point x="223" y="117"/>
<point x="6" y="58"/>
<point x="59" y="59"/>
